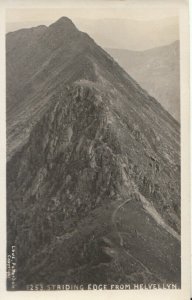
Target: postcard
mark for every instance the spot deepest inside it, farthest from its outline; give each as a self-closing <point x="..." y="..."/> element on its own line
<point x="95" y="149"/>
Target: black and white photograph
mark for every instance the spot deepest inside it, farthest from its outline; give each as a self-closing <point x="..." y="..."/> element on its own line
<point x="93" y="148"/>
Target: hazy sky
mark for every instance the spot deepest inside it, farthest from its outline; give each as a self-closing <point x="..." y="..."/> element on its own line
<point x="126" y="28"/>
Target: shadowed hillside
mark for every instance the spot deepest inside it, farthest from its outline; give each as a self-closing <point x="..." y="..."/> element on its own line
<point x="157" y="71"/>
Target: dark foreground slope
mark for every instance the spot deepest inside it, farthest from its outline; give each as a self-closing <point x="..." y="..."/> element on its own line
<point x="93" y="189"/>
<point x="157" y="71"/>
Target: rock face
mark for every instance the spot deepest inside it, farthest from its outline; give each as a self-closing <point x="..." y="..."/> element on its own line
<point x="93" y="167"/>
<point x="157" y="71"/>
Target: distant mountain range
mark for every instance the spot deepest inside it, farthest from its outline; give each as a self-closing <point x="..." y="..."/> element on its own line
<point x="93" y="166"/>
<point x="157" y="71"/>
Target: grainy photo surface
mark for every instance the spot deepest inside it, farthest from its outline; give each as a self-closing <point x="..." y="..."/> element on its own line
<point x="93" y="150"/>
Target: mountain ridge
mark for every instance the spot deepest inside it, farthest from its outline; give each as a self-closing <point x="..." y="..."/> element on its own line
<point x="25" y="77"/>
<point x="95" y="140"/>
<point x="176" y="42"/>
